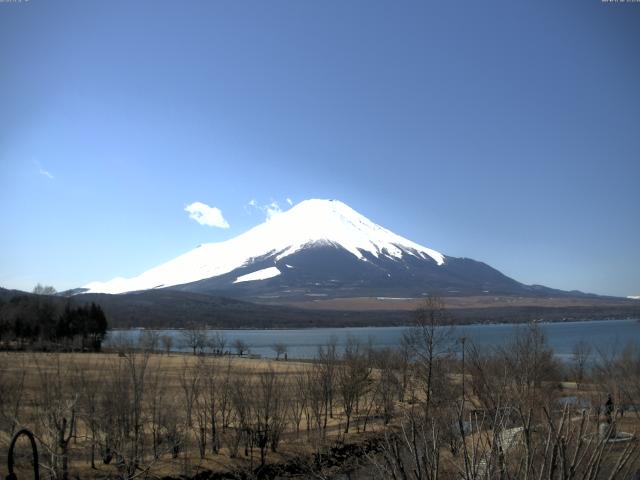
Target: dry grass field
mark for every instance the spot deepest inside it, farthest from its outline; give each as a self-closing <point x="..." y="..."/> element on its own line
<point x="178" y="384"/>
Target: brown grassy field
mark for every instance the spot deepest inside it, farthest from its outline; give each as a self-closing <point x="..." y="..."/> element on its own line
<point x="173" y="376"/>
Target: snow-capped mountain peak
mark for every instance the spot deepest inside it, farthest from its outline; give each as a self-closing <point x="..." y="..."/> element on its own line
<point x="335" y="222"/>
<point x="309" y="223"/>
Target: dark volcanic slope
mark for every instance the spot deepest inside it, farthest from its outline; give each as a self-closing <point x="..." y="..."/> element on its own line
<point x="167" y="308"/>
<point x="331" y="271"/>
<point x="164" y="308"/>
<point x="176" y="309"/>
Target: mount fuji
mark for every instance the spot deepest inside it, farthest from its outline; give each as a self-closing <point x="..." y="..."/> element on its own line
<point x="321" y="249"/>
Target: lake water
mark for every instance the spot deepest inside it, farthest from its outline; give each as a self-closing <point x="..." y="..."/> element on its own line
<point x="603" y="335"/>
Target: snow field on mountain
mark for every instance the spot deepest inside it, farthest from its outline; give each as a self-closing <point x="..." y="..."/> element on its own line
<point x="309" y="223"/>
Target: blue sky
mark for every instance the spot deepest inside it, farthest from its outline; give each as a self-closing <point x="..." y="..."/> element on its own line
<point x="508" y="132"/>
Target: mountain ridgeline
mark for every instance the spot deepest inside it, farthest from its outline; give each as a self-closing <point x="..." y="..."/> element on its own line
<point x="321" y="263"/>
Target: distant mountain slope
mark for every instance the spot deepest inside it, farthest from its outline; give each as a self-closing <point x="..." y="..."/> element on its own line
<point x="170" y="308"/>
<point x="6" y="294"/>
<point x="322" y="248"/>
<point x="167" y="308"/>
<point x="330" y="271"/>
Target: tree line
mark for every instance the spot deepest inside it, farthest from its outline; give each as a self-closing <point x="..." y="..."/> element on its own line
<point x="41" y="321"/>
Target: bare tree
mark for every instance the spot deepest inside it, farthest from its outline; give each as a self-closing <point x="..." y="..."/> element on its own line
<point x="430" y="342"/>
<point x="159" y="410"/>
<point x="581" y="354"/>
<point x="135" y="366"/>
<point x="167" y="343"/>
<point x="268" y="413"/>
<point x="240" y="346"/>
<point x="415" y="451"/>
<point x="279" y="349"/>
<point x="56" y="408"/>
<point x="217" y="343"/>
<point x="209" y="405"/>
<point x="530" y="368"/>
<point x="149" y="341"/>
<point x="44" y="290"/>
<point x="617" y="371"/>
<point x="190" y="385"/>
<point x="202" y="406"/>
<point x="91" y="390"/>
<point x="390" y="366"/>
<point x="223" y="391"/>
<point x="298" y="399"/>
<point x="317" y="405"/>
<point x="326" y="370"/>
<point x="353" y="376"/>
<point x="195" y="338"/>
<point x="12" y="389"/>
<point x="240" y="400"/>
<point x="557" y="444"/>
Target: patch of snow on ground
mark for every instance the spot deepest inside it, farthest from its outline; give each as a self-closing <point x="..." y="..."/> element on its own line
<point x="258" y="275"/>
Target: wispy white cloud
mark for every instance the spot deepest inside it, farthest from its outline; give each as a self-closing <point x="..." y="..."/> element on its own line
<point x="206" y="215"/>
<point x="250" y="206"/>
<point x="270" y="210"/>
<point x="42" y="171"/>
<point x="289" y="201"/>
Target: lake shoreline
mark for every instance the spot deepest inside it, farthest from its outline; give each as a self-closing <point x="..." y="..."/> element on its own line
<point x="301" y="343"/>
<point x="408" y="325"/>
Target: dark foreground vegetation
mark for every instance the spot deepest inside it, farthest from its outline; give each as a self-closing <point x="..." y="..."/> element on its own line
<point x="41" y="321"/>
<point x="438" y="407"/>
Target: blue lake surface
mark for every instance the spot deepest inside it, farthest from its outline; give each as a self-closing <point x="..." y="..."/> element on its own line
<point x="603" y="335"/>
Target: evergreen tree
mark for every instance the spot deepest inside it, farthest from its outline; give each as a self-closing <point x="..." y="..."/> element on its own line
<point x="28" y="319"/>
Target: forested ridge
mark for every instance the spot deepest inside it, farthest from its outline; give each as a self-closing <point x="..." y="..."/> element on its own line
<point x="42" y="321"/>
